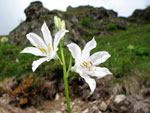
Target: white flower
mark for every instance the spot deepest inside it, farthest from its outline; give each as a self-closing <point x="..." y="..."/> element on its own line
<point x="85" y="64"/>
<point x="46" y="47"/>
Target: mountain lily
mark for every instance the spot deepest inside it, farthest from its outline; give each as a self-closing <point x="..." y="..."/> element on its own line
<point x="85" y="64"/>
<point x="46" y="47"/>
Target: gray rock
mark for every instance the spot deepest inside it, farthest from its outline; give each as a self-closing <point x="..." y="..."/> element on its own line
<point x="119" y="98"/>
<point x="86" y="111"/>
<point x="8" y="84"/>
<point x="103" y="106"/>
<point x="35" y="10"/>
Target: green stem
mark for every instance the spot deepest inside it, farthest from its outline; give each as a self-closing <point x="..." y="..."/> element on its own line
<point x="65" y="81"/>
<point x="70" y="65"/>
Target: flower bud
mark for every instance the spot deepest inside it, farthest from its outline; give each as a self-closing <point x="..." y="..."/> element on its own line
<point x="59" y="24"/>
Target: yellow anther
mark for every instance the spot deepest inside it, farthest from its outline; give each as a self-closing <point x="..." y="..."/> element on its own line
<point x="94" y="69"/>
<point x="91" y="63"/>
<point x="42" y="49"/>
<point x="49" y="48"/>
<point x="85" y="64"/>
<point x="82" y="66"/>
<point x="89" y="68"/>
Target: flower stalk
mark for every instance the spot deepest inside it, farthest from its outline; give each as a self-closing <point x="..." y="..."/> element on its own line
<point x="65" y="77"/>
<point x="60" y="25"/>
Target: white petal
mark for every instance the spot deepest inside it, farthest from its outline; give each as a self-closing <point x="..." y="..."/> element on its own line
<point x="36" y="63"/>
<point x="75" y="51"/>
<point x="99" y="72"/>
<point x="33" y="50"/>
<point x="46" y="34"/>
<point x="57" y="38"/>
<point x="88" y="47"/>
<point x="53" y="55"/>
<point x="99" y="57"/>
<point x="91" y="82"/>
<point x="73" y="68"/>
<point x="36" y="40"/>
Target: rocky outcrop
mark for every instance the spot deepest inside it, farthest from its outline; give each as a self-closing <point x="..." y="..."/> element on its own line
<point x="91" y="12"/>
<point x="81" y="22"/>
<point x="97" y="19"/>
<point x="36" y="14"/>
<point x="141" y="16"/>
<point x="35" y="10"/>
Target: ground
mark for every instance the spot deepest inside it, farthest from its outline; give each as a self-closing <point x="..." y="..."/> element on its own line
<point x="101" y="101"/>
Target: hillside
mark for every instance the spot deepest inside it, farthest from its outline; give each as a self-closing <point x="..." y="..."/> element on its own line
<point x="82" y="21"/>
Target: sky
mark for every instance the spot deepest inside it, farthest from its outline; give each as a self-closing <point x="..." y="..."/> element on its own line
<point x="12" y="11"/>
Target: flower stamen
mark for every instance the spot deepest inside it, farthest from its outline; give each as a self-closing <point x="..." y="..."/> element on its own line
<point x="89" y="68"/>
<point x="49" y="48"/>
<point x="85" y="64"/>
<point x="42" y="49"/>
<point x="91" y="63"/>
<point x="82" y="66"/>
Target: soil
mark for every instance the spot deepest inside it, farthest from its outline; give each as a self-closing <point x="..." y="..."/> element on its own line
<point x="50" y="98"/>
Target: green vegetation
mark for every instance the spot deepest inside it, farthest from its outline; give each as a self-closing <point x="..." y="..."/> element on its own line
<point x="85" y="22"/>
<point x="129" y="61"/>
<point x="12" y="63"/>
<point x="15" y="64"/>
<point x="130" y="56"/>
<point x="111" y="27"/>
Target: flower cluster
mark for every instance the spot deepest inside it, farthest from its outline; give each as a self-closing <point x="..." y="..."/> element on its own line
<point x="85" y="64"/>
